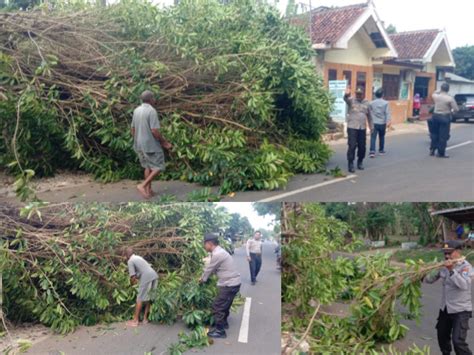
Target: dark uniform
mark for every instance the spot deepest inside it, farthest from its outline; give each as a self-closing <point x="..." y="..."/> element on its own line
<point x="357" y="119"/>
<point x="456" y="304"/>
<point x="228" y="284"/>
<point x="440" y="123"/>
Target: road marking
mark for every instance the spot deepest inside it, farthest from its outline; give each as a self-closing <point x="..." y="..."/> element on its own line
<point x="244" y="326"/>
<point x="307" y="188"/>
<point x="459" y="145"/>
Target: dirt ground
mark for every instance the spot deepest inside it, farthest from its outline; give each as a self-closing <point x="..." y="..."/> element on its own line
<point x="30" y="333"/>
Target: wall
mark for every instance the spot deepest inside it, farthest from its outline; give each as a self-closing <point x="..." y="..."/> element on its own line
<point x="400" y="110"/>
<point x="357" y="53"/>
<point x="458" y="88"/>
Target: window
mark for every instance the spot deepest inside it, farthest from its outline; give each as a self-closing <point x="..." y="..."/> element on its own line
<point x="361" y="80"/>
<point x="391" y="86"/>
<point x="347" y="74"/>
<point x="332" y="74"/>
<point x="421" y="86"/>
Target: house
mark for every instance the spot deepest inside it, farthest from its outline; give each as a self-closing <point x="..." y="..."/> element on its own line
<point x="352" y="44"/>
<point x="457" y="84"/>
<point x="456" y="216"/>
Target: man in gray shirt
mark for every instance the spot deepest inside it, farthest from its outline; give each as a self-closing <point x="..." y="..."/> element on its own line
<point x="357" y="119"/>
<point x="445" y="105"/>
<point x="380" y="114"/>
<point x="456" y="303"/>
<point x="148" y="142"/>
<point x="228" y="283"/>
<point x="140" y="269"/>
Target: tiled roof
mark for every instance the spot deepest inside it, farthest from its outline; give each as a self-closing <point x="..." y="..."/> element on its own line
<point x="329" y="24"/>
<point x="413" y="44"/>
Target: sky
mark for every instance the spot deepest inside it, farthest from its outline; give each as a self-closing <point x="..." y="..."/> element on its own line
<point x="456" y="16"/>
<point x="246" y="209"/>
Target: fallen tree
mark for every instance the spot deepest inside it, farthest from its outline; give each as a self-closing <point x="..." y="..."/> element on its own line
<point x="238" y="94"/>
<point x="375" y="294"/>
<point x="63" y="266"/>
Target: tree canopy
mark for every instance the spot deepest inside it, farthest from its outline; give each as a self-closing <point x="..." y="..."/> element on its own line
<point x="464" y="59"/>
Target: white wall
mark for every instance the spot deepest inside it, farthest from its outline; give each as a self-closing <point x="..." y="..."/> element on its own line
<point x="357" y="53"/>
<point x="457" y="88"/>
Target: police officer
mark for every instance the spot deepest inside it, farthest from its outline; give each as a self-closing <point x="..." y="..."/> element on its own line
<point x="456" y="304"/>
<point x="254" y="255"/>
<point x="445" y="105"/>
<point x="357" y="119"/>
<point x="228" y="284"/>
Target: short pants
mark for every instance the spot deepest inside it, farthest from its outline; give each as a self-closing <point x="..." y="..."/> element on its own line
<point x="144" y="290"/>
<point x="153" y="161"/>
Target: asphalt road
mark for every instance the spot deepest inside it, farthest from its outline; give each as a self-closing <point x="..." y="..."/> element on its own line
<point x="405" y="173"/>
<point x="263" y="332"/>
<point x="424" y="333"/>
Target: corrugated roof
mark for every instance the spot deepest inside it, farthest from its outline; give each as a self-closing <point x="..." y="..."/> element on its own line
<point x="458" y="78"/>
<point x="413" y="45"/>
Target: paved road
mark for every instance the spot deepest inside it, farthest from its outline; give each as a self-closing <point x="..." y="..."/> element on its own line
<point x="424" y="333"/>
<point x="263" y="332"/>
<point x="406" y="173"/>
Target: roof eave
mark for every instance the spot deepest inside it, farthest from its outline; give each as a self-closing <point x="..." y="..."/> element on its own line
<point x="343" y="41"/>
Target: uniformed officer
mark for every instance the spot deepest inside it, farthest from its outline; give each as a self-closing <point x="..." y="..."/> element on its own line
<point x="357" y="119"/>
<point x="254" y="255"/>
<point x="456" y="304"/>
<point x="445" y="106"/>
<point x="228" y="284"/>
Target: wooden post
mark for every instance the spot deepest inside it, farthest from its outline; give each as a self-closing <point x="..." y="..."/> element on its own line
<point x="445" y="232"/>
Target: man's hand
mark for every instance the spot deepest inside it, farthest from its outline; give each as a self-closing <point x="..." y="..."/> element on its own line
<point x="167" y="145"/>
<point x="389" y="124"/>
<point x="449" y="264"/>
<point x="347" y="92"/>
<point x="249" y="258"/>
<point x="200" y="281"/>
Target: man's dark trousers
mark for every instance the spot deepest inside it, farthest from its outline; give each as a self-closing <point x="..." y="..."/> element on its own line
<point x="356" y="139"/>
<point x="379" y="129"/>
<point x="255" y="265"/>
<point x="440" y="132"/>
<point x="222" y="303"/>
<point x="453" y="327"/>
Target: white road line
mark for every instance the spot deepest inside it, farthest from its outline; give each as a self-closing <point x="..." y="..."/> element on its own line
<point x="459" y="145"/>
<point x="244" y="326"/>
<point x="307" y="188"/>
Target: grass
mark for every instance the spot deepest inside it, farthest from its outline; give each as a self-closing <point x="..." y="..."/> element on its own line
<point x="427" y="255"/>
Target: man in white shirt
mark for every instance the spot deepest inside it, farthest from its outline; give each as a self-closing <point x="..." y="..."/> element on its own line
<point x="254" y="255"/>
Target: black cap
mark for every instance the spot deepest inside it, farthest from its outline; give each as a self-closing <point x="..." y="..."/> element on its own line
<point x="452" y="245"/>
<point x="210" y="237"/>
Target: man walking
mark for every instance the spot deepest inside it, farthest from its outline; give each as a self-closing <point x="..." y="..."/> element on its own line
<point x="148" y="142"/>
<point x="140" y="269"/>
<point x="357" y="119"/>
<point x="456" y="303"/>
<point x="228" y="284"/>
<point x="444" y="106"/>
<point x="380" y="113"/>
<point x="254" y="255"/>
